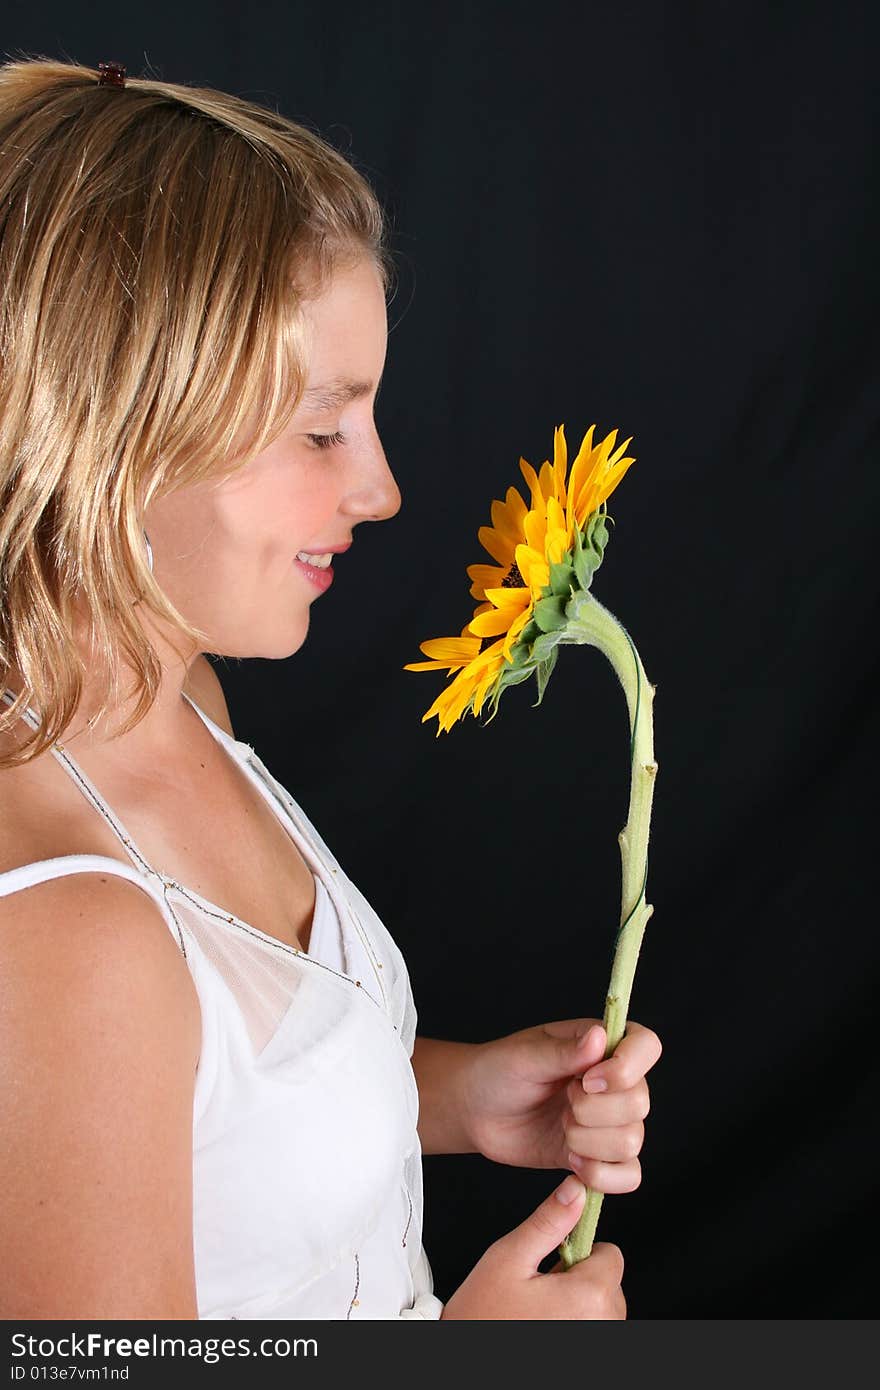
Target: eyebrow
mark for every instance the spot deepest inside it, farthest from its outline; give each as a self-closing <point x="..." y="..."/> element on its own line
<point x="337" y="392"/>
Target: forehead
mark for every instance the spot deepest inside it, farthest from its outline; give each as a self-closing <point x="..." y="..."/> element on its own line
<point x="347" y="326"/>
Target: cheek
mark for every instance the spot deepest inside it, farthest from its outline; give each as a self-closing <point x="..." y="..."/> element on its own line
<point x="286" y="510"/>
<point x="307" y="508"/>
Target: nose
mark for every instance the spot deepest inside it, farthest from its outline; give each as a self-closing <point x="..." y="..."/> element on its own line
<point x="374" y="494"/>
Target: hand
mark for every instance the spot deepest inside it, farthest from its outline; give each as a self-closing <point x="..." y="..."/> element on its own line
<point x="525" y="1100"/>
<point x="506" y="1284"/>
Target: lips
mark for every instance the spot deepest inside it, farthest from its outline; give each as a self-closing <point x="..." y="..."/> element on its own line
<point x="321" y="578"/>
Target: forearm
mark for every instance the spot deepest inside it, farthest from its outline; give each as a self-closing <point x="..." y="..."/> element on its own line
<point x="441" y="1073"/>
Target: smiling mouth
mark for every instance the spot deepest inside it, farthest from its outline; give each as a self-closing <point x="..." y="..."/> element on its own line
<point x="320" y="562"/>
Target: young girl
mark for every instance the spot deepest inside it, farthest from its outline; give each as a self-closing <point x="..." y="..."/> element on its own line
<point x="214" y="1103"/>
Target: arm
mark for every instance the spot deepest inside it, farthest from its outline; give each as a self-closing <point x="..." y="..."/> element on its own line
<point x="99" y="1043"/>
<point x="441" y="1071"/>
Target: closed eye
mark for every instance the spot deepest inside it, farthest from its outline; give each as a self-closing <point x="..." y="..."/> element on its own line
<point x="326" y="441"/>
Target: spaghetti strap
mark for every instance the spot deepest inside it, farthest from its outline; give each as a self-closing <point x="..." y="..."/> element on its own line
<point x="42" y="870"/>
<point x="90" y="792"/>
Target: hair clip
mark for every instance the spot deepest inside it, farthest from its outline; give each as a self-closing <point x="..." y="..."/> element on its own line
<point x="112" y="74"/>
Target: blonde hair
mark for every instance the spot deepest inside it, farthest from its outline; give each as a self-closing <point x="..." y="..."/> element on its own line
<point x="157" y="244"/>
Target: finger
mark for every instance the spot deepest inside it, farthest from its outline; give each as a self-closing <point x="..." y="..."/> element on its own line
<point x="605" y="1262"/>
<point x="571" y="1027"/>
<point x="609" y="1108"/>
<point x="637" y="1052"/>
<point x="608" y="1145"/>
<point x="546" y="1227"/>
<point x="607" y="1177"/>
<point x="571" y="1046"/>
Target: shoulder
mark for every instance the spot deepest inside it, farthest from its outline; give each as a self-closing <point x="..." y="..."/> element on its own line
<point x="202" y="684"/>
<point x="93" y="936"/>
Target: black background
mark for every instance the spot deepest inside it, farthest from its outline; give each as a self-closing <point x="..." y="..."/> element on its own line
<point x="661" y="218"/>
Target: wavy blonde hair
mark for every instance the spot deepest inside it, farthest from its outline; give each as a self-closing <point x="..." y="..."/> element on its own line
<point x="157" y="244"/>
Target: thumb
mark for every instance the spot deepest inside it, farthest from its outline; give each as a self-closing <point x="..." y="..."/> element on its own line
<point x="589" y="1048"/>
<point x="565" y="1049"/>
<point x="548" y="1226"/>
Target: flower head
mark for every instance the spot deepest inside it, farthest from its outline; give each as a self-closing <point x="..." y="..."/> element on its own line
<point x="544" y="552"/>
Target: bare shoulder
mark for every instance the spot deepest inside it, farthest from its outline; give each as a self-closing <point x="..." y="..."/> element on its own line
<point x="99" y="1043"/>
<point x="203" y="685"/>
<point x="81" y="919"/>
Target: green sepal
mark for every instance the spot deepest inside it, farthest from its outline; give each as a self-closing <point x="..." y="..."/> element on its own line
<point x="508" y="676"/>
<point x="530" y="633"/>
<point x="545" y="644"/>
<point x="543" y="673"/>
<point x="589" y="547"/>
<point x="519" y="653"/>
<point x="577" y="605"/>
<point x="561" y="580"/>
<point x="550" y="614"/>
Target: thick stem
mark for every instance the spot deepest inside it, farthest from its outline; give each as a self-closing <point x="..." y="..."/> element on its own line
<point x="590" y="623"/>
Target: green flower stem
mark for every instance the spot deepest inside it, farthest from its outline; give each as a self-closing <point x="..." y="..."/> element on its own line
<point x="589" y="623"/>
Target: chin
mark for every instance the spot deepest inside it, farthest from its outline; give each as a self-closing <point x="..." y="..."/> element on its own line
<point x="275" y="646"/>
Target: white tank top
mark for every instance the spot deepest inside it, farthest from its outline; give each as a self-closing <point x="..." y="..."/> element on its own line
<point x="307" y="1167"/>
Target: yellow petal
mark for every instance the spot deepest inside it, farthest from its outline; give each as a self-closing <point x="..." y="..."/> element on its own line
<point x="547" y="479"/>
<point x="560" y="460"/>
<point x="533" y="567"/>
<point x="620" y="450"/>
<point x="516" y="628"/>
<point x="580" y="469"/>
<point x="534" y="486"/>
<point x="508" y="598"/>
<point x="447" y="649"/>
<point x="585" y="450"/>
<point x="609" y="441"/>
<point x="556" y="546"/>
<point x="490" y="624"/>
<point x="485" y="577"/>
<point x="515" y="505"/>
<point x="555" y="516"/>
<point x="486" y="574"/>
<point x="502" y="524"/>
<point x="535" y="528"/>
<point x="450" y="703"/>
<point x="612" y="478"/>
<point x="506" y="519"/>
<point x="483" y="689"/>
<point x="599" y="491"/>
<point x="499" y="547"/>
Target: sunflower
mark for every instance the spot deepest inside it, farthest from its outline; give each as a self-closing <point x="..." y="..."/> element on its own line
<point x="542" y="553"/>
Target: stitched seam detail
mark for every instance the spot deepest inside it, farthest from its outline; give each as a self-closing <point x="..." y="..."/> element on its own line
<point x="355" y="1301"/>
<point x="269" y="941"/>
<point x="409" y="1218"/>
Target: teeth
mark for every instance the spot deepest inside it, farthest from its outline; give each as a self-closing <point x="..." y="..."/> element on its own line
<point x="320" y="562"/>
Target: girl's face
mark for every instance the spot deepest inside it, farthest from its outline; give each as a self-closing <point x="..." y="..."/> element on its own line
<point x="226" y="554"/>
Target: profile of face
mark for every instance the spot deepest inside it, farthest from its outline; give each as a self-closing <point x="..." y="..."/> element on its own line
<point x="226" y="554"/>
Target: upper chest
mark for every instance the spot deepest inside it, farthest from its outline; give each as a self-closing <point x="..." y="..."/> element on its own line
<point x="204" y="824"/>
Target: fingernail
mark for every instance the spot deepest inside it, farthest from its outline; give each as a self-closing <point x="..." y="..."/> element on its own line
<point x="594" y="1084"/>
<point x="570" y="1189"/>
<point x="575" y="1161"/>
